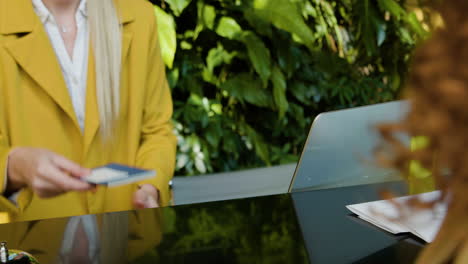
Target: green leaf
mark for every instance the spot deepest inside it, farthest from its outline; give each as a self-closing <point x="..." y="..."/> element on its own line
<point x="302" y="92"/>
<point x="288" y="54"/>
<point x="167" y="36"/>
<point x="417" y="27"/>
<point x="285" y="15"/>
<point x="173" y="77"/>
<point x="339" y="38"/>
<point x="279" y="91"/>
<point x="217" y="108"/>
<point x="309" y="10"/>
<point x="217" y="56"/>
<point x="405" y="36"/>
<point x="185" y="45"/>
<point x="209" y="16"/>
<point x="200" y="165"/>
<point x="228" y="28"/>
<point x="182" y="160"/>
<point x="230" y="144"/>
<point x="297" y="112"/>
<point x="396" y="82"/>
<point x="214" y="58"/>
<point x="392" y="7"/>
<point x="368" y="22"/>
<point x="246" y="88"/>
<point x="261" y="26"/>
<point x="178" y="6"/>
<point x="214" y="134"/>
<point x="206" y="18"/>
<point x="261" y="148"/>
<point x="259" y="55"/>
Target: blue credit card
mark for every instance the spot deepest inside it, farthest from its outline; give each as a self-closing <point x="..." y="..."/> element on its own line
<point x="117" y="174"/>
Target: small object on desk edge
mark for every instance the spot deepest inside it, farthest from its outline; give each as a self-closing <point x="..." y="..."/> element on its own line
<point x="3" y="253"/>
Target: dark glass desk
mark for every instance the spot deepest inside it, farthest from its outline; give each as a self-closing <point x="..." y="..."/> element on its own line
<point x="304" y="227"/>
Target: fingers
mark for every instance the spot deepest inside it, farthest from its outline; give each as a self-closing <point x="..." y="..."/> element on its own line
<point x="47" y="173"/>
<point x="51" y="181"/>
<point x="69" y="166"/>
<point x="45" y="189"/>
<point x="151" y="202"/>
<point x="139" y="199"/>
<point x="146" y="197"/>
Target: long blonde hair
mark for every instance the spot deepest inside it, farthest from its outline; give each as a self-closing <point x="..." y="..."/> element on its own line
<point x="106" y="40"/>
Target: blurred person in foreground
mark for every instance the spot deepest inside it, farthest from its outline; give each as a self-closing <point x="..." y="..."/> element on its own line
<point x="82" y="84"/>
<point x="439" y="112"/>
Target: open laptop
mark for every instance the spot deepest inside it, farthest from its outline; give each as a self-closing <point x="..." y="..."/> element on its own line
<point x="335" y="154"/>
<point x="339" y="152"/>
<point x="340" y="145"/>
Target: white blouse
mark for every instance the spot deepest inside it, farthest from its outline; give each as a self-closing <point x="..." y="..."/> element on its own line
<point x="74" y="69"/>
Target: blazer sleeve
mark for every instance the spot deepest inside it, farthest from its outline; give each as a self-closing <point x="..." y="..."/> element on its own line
<point x="6" y="206"/>
<point x="157" y="148"/>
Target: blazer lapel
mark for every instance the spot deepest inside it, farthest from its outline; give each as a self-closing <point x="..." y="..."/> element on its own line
<point x="35" y="55"/>
<point x="125" y="10"/>
<point x="92" y="110"/>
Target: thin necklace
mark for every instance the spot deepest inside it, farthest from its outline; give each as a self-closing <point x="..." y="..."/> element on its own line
<point x="63" y="28"/>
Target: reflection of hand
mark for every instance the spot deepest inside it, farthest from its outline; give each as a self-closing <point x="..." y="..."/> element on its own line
<point x="146" y="197"/>
<point x="47" y="173"/>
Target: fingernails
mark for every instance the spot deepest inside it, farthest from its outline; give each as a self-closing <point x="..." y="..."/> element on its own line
<point x="140" y="205"/>
<point x="86" y="172"/>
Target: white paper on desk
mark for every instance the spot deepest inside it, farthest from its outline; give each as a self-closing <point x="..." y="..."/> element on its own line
<point x="424" y="223"/>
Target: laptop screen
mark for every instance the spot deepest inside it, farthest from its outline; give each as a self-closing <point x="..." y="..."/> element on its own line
<point x="339" y="149"/>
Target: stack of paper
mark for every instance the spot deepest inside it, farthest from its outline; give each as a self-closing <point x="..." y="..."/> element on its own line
<point x="423" y="223"/>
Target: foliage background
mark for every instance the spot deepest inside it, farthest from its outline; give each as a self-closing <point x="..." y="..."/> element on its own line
<point x="249" y="76"/>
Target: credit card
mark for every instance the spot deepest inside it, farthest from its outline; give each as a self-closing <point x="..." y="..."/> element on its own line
<point x="117" y="174"/>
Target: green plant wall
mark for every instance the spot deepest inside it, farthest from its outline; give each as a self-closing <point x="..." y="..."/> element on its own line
<point x="249" y="76"/>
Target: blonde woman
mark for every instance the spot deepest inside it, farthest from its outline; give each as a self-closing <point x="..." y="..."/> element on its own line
<point x="82" y="84"/>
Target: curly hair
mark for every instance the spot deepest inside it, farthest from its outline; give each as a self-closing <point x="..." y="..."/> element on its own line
<point x="438" y="92"/>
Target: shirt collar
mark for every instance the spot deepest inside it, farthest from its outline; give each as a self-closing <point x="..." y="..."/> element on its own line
<point x="44" y="13"/>
<point x="41" y="10"/>
<point x="82" y="8"/>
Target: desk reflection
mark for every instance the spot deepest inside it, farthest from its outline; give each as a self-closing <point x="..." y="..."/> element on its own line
<point x="107" y="238"/>
<point x="303" y="227"/>
<point x="254" y="230"/>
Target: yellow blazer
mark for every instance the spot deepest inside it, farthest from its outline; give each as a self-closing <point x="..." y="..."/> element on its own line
<point x="36" y="111"/>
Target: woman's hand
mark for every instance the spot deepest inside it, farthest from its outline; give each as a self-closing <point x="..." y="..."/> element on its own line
<point x="146" y="196"/>
<point x="46" y="173"/>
